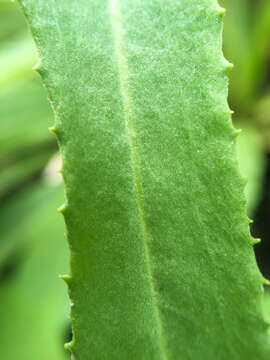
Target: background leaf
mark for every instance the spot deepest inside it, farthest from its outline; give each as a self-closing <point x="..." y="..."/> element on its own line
<point x="252" y="164"/>
<point x="33" y="301"/>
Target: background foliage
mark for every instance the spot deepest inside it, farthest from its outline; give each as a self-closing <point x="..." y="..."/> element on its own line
<point x="33" y="251"/>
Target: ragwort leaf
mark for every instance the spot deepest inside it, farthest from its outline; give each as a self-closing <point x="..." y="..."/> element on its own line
<point x="162" y="265"/>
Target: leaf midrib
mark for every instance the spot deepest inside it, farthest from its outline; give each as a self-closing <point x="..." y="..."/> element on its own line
<point x="135" y="157"/>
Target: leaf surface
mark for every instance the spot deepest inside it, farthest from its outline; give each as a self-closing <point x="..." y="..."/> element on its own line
<point x="162" y="265"/>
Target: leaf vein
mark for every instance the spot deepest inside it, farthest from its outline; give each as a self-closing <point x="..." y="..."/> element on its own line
<point x="135" y="157"/>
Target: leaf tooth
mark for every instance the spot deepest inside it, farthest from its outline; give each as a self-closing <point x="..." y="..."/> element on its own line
<point x="255" y="241"/>
<point x="67" y="278"/>
<point x="250" y="221"/>
<point x="221" y="11"/>
<point x="265" y="281"/>
<point x="69" y="345"/>
<point x="244" y="180"/>
<point x="63" y="209"/>
<point x="62" y="169"/>
<point x="38" y="67"/>
<point x="53" y="129"/>
<point x="228" y="66"/>
<point x="237" y="132"/>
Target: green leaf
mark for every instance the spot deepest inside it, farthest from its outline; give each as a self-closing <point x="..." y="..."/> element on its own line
<point x="33" y="301"/>
<point x="237" y="33"/>
<point x="246" y="39"/>
<point x="162" y="265"/>
<point x="17" y="57"/>
<point x="20" y="212"/>
<point x="25" y="143"/>
<point x="23" y="170"/>
<point x="262" y="119"/>
<point x="11" y="20"/>
<point x="257" y="62"/>
<point x="252" y="164"/>
<point x="25" y="115"/>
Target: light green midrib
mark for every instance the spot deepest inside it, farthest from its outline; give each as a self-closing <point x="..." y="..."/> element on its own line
<point x="135" y="158"/>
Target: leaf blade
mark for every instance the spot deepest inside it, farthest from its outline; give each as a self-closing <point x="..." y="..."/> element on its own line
<point x="189" y="181"/>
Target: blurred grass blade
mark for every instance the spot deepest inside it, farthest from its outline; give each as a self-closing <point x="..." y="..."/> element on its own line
<point x="33" y="301"/>
<point x="16" y="59"/>
<point x="25" y="143"/>
<point x="25" y="116"/>
<point x="24" y="169"/>
<point x="237" y="32"/>
<point x="262" y="120"/>
<point x="11" y="20"/>
<point x="260" y="47"/>
<point x="252" y="163"/>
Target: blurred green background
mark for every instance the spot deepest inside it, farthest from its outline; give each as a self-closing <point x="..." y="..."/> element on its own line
<point x="34" y="305"/>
